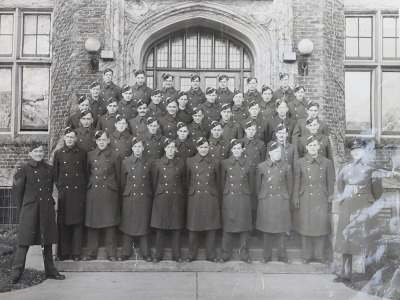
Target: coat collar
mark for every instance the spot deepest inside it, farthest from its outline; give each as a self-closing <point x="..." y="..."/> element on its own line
<point x="154" y="107"/>
<point x="271" y="163"/>
<point x="288" y="91"/>
<point x="236" y="108"/>
<point x="310" y="159"/>
<point x="108" y="116"/>
<point x="215" y="141"/>
<point x="84" y="130"/>
<point x="124" y="102"/>
<point x="226" y="91"/>
<point x="138" y="119"/>
<point x="137" y="87"/>
<point x="198" y="126"/>
<point x="35" y="163"/>
<point x="230" y="123"/>
<point x="198" y="92"/>
<point x="233" y="159"/>
<point x="255" y="92"/>
<point x="247" y="141"/>
<point x="186" y="110"/>
<point x="166" y="160"/>
<point x="107" y="86"/>
<point x="106" y="151"/>
<point x="74" y="148"/>
<point x="171" y="118"/>
<point x="198" y="158"/>
<point x="92" y="101"/>
<point x="118" y="134"/>
<point x="214" y="105"/>
<point x="269" y="104"/>
<point x="136" y="159"/>
<point x="186" y="142"/>
<point x="258" y="120"/>
<point x="156" y="136"/>
<point x="297" y="102"/>
<point x="170" y="90"/>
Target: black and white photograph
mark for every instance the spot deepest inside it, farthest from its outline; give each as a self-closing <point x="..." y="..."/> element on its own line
<point x="194" y="149"/>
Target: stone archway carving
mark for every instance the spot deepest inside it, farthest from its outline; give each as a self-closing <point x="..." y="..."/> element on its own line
<point x="212" y="15"/>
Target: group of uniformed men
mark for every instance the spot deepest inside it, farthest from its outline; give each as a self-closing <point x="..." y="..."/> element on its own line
<point x="135" y="158"/>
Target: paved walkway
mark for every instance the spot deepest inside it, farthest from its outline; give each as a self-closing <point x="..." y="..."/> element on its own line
<point x="188" y="286"/>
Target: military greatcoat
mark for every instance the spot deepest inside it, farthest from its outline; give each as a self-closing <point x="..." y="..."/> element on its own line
<point x="289" y="153"/>
<point x="74" y="120"/>
<point x="252" y="95"/>
<point x="85" y="138"/>
<point x="287" y="95"/>
<point x="325" y="149"/>
<point x="359" y="186"/>
<point x="127" y="109"/>
<point x="168" y="93"/>
<point x="184" y="115"/>
<point x="300" y="129"/>
<point x="141" y="92"/>
<point x="297" y="109"/>
<point x="122" y="143"/>
<point x="168" y="204"/>
<point x="153" y="146"/>
<point x="203" y="180"/>
<point x="268" y="109"/>
<point x="237" y="180"/>
<point x="137" y="196"/>
<point x="155" y="110"/>
<point x="272" y="127"/>
<point x="254" y="150"/>
<point x="168" y="125"/>
<point x="102" y="198"/>
<point x="313" y="186"/>
<point x="261" y="133"/>
<point x="185" y="149"/>
<point x="107" y="123"/>
<point x="240" y="113"/>
<point x="138" y="125"/>
<point x="211" y="111"/>
<point x="32" y="192"/>
<point x="71" y="181"/>
<point x="274" y="186"/>
<point x="197" y="131"/>
<point x="219" y="149"/>
<point x="224" y="96"/>
<point x="231" y="130"/>
<point x="195" y="98"/>
<point x="98" y="108"/>
<point x="110" y="90"/>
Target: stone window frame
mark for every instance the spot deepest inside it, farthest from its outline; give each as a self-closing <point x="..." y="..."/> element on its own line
<point x="16" y="62"/>
<point x="377" y="65"/>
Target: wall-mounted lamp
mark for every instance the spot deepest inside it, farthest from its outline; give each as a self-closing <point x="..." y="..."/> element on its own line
<point x="305" y="47"/>
<point x="92" y="46"/>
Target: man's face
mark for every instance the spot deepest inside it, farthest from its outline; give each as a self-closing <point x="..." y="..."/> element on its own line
<point x="357" y="153"/>
<point x="84" y="105"/>
<point x="103" y="141"/>
<point x="183" y="133"/>
<point x="238" y="99"/>
<point x="140" y="79"/>
<point x="216" y="131"/>
<point x="172" y="108"/>
<point x="37" y="154"/>
<point x="251" y="131"/>
<point x="211" y="97"/>
<point x="281" y="135"/>
<point x="313" y="111"/>
<point x="112" y="108"/>
<point x="121" y="125"/>
<point x="170" y="150"/>
<point x="87" y="120"/>
<point x="285" y="81"/>
<point x="198" y="117"/>
<point x="300" y="94"/>
<point x="107" y="77"/>
<point x="95" y="91"/>
<point x="282" y="109"/>
<point x="313" y="148"/>
<point x="252" y="85"/>
<point x="275" y="155"/>
<point x="313" y="127"/>
<point x="138" y="149"/>
<point x="203" y="149"/>
<point x="183" y="101"/>
<point x="254" y="110"/>
<point x="267" y="95"/>
<point x="226" y="114"/>
<point x="237" y="150"/>
<point x="223" y="83"/>
<point x="195" y="83"/>
<point x="156" y="98"/>
<point x="167" y="83"/>
<point x="127" y="95"/>
<point x="153" y="127"/>
<point x="70" y="139"/>
<point x="142" y="110"/>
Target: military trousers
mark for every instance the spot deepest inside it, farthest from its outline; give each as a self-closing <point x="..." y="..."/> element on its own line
<point x="268" y="240"/>
<point x="227" y="244"/>
<point x="18" y="265"/>
<point x="128" y="245"/>
<point x="175" y="243"/>
<point x="70" y="239"/>
<point x="110" y="240"/>
<point x="194" y="244"/>
<point x="313" y="246"/>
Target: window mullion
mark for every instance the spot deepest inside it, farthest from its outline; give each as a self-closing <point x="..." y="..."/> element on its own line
<point x="198" y="51"/>
<point x="184" y="36"/>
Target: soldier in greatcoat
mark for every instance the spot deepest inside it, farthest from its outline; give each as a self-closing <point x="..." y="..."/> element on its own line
<point x="195" y="94"/>
<point x="168" y="90"/>
<point x="203" y="209"/>
<point x="73" y="121"/>
<point x="211" y="108"/>
<point x="185" y="147"/>
<point x="98" y="105"/>
<point x="137" y="201"/>
<point x="359" y="185"/>
<point x="168" y="177"/>
<point x="126" y="106"/>
<point x="256" y="117"/>
<point x="140" y="90"/>
<point x="267" y="105"/>
<point x="107" y="122"/>
<point x="231" y="129"/>
<point x="32" y="192"/>
<point x="252" y="93"/>
<point x="183" y="113"/>
<point x="155" y="109"/>
<point x="274" y="187"/>
<point x="313" y="186"/>
<point x="224" y="94"/>
<point x="298" y="106"/>
<point x="102" y="198"/>
<point x="71" y="180"/>
<point x="198" y="128"/>
<point x="120" y="139"/>
<point x="108" y="88"/>
<point x="280" y="117"/>
<point x="169" y="122"/>
<point x="137" y="125"/>
<point x="237" y="182"/>
<point x="85" y="133"/>
<point x="284" y="92"/>
<point x="219" y="148"/>
<point x="239" y="109"/>
<point x="153" y="141"/>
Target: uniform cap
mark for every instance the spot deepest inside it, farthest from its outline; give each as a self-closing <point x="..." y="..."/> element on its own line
<point x="194" y="76"/>
<point x="94" y="84"/>
<point x="197" y="109"/>
<point x="282" y="75"/>
<point x="250" y="79"/>
<point x="99" y="133"/>
<point x="281" y="126"/>
<point x="279" y="102"/>
<point x="165" y="76"/>
<point x="215" y="124"/>
<point x="274" y="146"/>
<point x="235" y="92"/>
<point x="150" y="120"/>
<point x="140" y="103"/>
<point x="108" y="70"/>
<point x="250" y="124"/>
<point x="235" y="142"/>
<point x="84" y="113"/>
<point x="136" y="140"/>
<point x="126" y="88"/>
<point x="222" y="76"/>
<point x="170" y="100"/>
<point x="311" y="104"/>
<point x="311" y="139"/>
<point x="210" y="90"/>
<point x="168" y="141"/>
<point x="181" y="93"/>
<point x="225" y="106"/>
<point x="68" y="130"/>
<point x="180" y="125"/>
<point x="119" y="118"/>
<point x="35" y="145"/>
<point x="253" y="103"/>
<point x="298" y="88"/>
<point x="311" y="119"/>
<point x="111" y="100"/>
<point x="357" y="143"/>
<point x="200" y="141"/>
<point x="138" y="72"/>
<point x="155" y="92"/>
<point x="81" y="99"/>
<point x="265" y="88"/>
